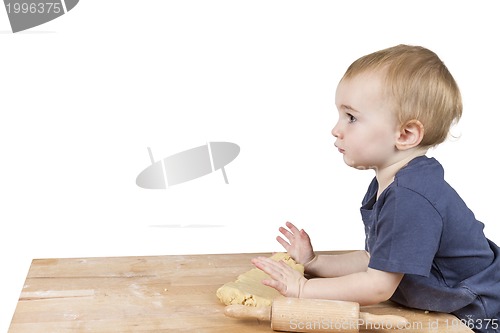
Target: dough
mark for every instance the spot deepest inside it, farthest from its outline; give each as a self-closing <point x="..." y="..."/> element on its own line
<point x="248" y="288"/>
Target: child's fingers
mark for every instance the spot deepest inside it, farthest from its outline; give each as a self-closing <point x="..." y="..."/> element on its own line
<point x="286" y="233"/>
<point x="280" y="287"/>
<point x="263" y="262"/>
<point x="283" y="243"/>
<point x="267" y="267"/>
<point x="292" y="227"/>
<point x="304" y="234"/>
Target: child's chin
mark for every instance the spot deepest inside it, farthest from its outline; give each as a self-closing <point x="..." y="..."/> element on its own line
<point x="356" y="165"/>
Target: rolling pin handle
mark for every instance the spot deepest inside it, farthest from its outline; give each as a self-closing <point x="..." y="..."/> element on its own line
<point x="245" y="312"/>
<point x="386" y="321"/>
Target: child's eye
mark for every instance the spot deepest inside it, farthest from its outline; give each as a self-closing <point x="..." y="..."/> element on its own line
<point x="351" y="118"/>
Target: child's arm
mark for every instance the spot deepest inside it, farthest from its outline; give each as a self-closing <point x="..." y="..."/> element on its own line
<point x="365" y="288"/>
<point x="300" y="249"/>
<point x="369" y="287"/>
<point x="338" y="265"/>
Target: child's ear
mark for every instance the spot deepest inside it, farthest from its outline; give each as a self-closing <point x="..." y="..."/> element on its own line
<point x="410" y="135"/>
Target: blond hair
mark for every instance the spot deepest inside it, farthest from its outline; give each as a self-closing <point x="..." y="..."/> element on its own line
<point x="420" y="86"/>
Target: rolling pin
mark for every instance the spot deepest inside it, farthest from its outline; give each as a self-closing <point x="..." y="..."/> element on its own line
<point x="315" y="315"/>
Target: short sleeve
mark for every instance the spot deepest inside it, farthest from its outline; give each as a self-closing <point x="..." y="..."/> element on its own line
<point x="406" y="233"/>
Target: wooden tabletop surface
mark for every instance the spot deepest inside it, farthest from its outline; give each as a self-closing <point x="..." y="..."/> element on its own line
<point x="156" y="294"/>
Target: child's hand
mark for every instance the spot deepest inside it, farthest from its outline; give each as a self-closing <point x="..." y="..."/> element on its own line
<point x="298" y="246"/>
<point x="284" y="279"/>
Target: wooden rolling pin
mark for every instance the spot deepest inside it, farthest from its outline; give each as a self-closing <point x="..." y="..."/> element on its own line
<point x="316" y="315"/>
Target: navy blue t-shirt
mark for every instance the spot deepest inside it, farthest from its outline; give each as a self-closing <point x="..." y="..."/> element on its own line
<point x="421" y="227"/>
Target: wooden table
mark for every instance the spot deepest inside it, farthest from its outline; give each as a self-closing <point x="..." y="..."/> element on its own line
<point x="155" y="294"/>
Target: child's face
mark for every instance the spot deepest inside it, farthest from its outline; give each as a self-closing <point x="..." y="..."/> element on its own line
<point x="367" y="127"/>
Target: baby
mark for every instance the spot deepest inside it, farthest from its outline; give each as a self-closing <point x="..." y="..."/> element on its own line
<point x="424" y="248"/>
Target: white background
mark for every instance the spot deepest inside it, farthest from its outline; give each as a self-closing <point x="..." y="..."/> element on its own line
<point x="83" y="96"/>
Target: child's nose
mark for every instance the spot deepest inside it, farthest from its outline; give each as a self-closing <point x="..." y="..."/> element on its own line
<point x="336" y="131"/>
